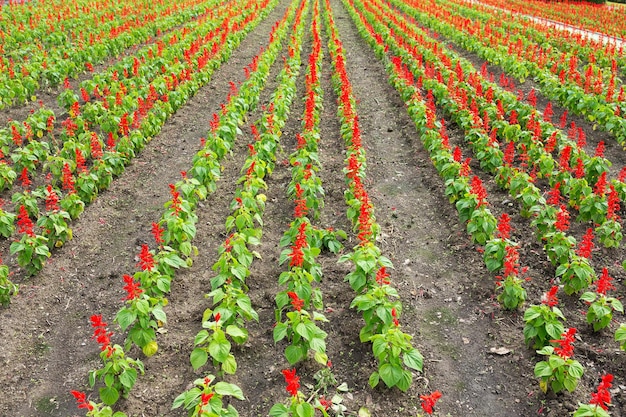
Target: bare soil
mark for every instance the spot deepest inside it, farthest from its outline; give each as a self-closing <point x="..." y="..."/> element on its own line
<point x="447" y="293"/>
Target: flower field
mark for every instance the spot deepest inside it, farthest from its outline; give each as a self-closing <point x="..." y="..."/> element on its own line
<point x="312" y="208"/>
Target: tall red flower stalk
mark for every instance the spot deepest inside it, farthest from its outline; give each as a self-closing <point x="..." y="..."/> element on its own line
<point x="100" y="334"/>
<point x="562" y="219"/>
<point x="429" y="401"/>
<point x="24" y="222"/>
<point x="52" y="199"/>
<point x="157" y="232"/>
<point x="293" y="381"/>
<point x="479" y="191"/>
<point x="565" y="349"/>
<point x="68" y="179"/>
<point x="132" y="288"/>
<point x="297" y="255"/>
<point x="549" y="298"/>
<point x="586" y="245"/>
<point x="81" y="399"/>
<point x="504" y="226"/>
<point x="146" y="260"/>
<point x="605" y="283"/>
<point x="602" y="397"/>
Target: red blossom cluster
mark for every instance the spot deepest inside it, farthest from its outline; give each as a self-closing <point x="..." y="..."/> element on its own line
<point x="382" y="277"/>
<point x="613" y="204"/>
<point x="146" y="260"/>
<point x="52" y="199"/>
<point x="479" y="191"/>
<point x="296" y="302"/>
<point x="26" y="182"/>
<point x="602" y="397"/>
<point x="24" y="222"/>
<point x="157" y="232"/>
<point x="504" y="226"/>
<point x="565" y="348"/>
<point x="562" y="219"/>
<point x="81" y="399"/>
<point x="96" y="146"/>
<point x="103" y="338"/>
<point x="297" y="254"/>
<point x="605" y="283"/>
<point x="68" y="179"/>
<point x="301" y="208"/>
<point x="549" y="298"/>
<point x="429" y="401"/>
<point x="132" y="288"/>
<point x="293" y="381"/>
<point x="176" y="200"/>
<point x="586" y="245"/>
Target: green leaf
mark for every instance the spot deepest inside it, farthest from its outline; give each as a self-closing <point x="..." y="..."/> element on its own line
<point x="198" y="358"/>
<point x="225" y="388"/>
<point x="413" y="359"/>
<point x="125" y="317"/>
<point x="279" y="410"/>
<point x="374" y="379"/>
<point x="280" y="331"/>
<point x="230" y="365"/>
<point x="128" y="378"/>
<point x="109" y="395"/>
<point x="219" y="349"/>
<point x="390" y="374"/>
<point x="542" y="369"/>
<point x="294" y="354"/>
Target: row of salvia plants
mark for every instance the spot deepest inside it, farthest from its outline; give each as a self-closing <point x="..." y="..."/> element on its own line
<point x="117" y="113"/>
<point x="588" y="90"/>
<point x="34" y="49"/>
<point x="142" y="317"/>
<point x="226" y="320"/>
<point x="419" y="63"/>
<point x="299" y="305"/>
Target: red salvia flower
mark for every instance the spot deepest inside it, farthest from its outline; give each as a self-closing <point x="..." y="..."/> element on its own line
<point x="511" y="261"/>
<point x="429" y="401"/>
<point x="600" y="149"/>
<point x="205" y="398"/>
<point x="296" y="302"/>
<point x="80" y="161"/>
<point x="24" y="222"/>
<point x="550" y="298"/>
<point x="26" y="182"/>
<point x="564" y="158"/>
<point x="81" y="399"/>
<point x="509" y="153"/>
<point x="146" y="260"/>
<point x="562" y="219"/>
<point x="548" y="112"/>
<point x="604" y="283"/>
<point x="68" y="179"/>
<point x="551" y="143"/>
<point x="293" y="381"/>
<point x="176" y="203"/>
<point x="52" y="199"/>
<point x="613" y="204"/>
<point x="96" y="146"/>
<point x="457" y="155"/>
<point x="382" y="277"/>
<point x="394" y="316"/>
<point x="157" y="232"/>
<point x="602" y="397"/>
<point x="565" y="349"/>
<point x="479" y="191"/>
<point x="504" y="226"/>
<point x="554" y="195"/>
<point x="586" y="245"/>
<point x="580" y="169"/>
<point x="132" y="288"/>
<point x="600" y="187"/>
<point x="103" y="338"/>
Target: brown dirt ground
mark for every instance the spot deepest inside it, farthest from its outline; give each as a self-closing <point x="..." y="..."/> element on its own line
<point x="447" y="293"/>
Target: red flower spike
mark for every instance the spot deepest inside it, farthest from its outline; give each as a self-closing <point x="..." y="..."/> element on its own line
<point x="550" y="299"/>
<point x="24" y="222"/>
<point x="157" y="232"/>
<point x="565" y="349"/>
<point x="52" y="199"/>
<point x="132" y="288"/>
<point x="562" y="219"/>
<point x="604" y="283"/>
<point x="146" y="260"/>
<point x="293" y="381"/>
<point x="429" y="401"/>
<point x="504" y="226"/>
<point x="81" y="399"/>
<point x="382" y="277"/>
<point x="586" y="245"/>
<point x="296" y="302"/>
